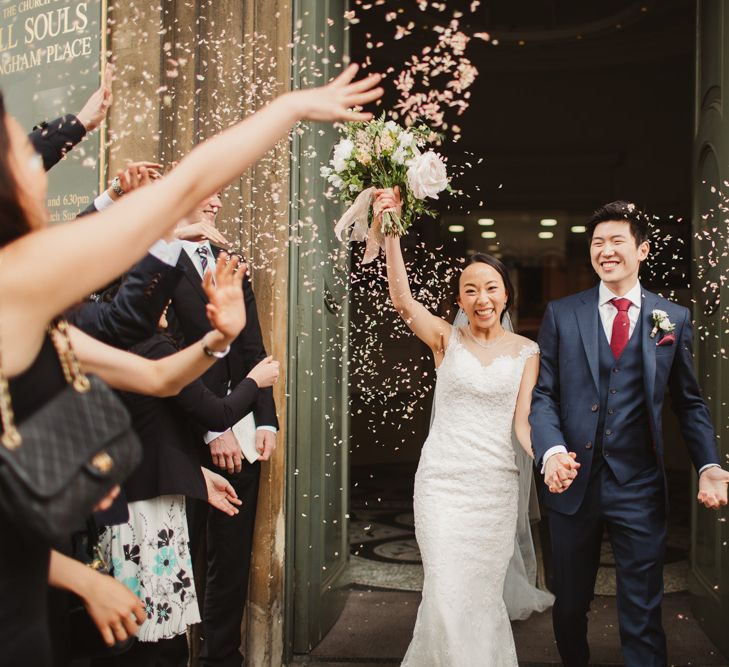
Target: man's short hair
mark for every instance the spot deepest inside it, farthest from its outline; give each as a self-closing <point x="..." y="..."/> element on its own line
<point x="621" y="211"/>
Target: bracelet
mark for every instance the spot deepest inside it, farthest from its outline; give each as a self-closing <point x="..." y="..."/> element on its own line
<point x="116" y="186"/>
<point x="214" y="353"/>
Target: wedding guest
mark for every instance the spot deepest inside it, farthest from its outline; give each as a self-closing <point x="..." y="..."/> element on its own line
<point x="53" y="139"/>
<point x="150" y="553"/>
<point x="83" y="255"/>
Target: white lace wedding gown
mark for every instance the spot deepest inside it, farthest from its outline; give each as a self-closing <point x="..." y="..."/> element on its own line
<point x="466" y="498"/>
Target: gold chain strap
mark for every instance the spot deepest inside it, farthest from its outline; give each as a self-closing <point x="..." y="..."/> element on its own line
<point x="69" y="362"/>
<point x="11" y="438"/>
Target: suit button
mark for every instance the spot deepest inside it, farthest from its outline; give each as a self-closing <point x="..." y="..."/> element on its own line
<point x="594" y="407"/>
<point x="608" y="432"/>
<point x="588" y="445"/>
<point x="616" y="370"/>
<point x="613" y="391"/>
<point x="611" y="411"/>
<point x="606" y="454"/>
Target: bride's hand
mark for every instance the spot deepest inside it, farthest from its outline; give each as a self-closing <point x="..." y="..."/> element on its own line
<point x="334" y="101"/>
<point x="387" y="199"/>
<point x="221" y="495"/>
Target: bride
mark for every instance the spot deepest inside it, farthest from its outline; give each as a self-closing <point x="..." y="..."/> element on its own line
<point x="467" y="483"/>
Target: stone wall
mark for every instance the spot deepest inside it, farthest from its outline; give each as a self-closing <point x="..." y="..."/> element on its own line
<point x="185" y="70"/>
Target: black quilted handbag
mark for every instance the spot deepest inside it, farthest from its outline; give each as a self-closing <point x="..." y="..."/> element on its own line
<point x="64" y="458"/>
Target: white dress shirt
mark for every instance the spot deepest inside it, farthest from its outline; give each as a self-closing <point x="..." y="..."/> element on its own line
<point x="190" y="247"/>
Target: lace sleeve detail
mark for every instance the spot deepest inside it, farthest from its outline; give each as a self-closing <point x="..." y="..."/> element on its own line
<point x="529" y="350"/>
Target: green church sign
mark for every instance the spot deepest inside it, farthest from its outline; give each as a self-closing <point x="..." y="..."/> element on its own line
<point x="50" y="55"/>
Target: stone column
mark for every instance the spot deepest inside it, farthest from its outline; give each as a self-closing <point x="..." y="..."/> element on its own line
<point x="187" y="70"/>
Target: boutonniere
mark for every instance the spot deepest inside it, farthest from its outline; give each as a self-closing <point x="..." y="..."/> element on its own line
<point x="661" y="323"/>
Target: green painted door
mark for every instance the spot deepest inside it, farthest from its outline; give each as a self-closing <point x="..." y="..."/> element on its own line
<point x="709" y="534"/>
<point x="317" y="541"/>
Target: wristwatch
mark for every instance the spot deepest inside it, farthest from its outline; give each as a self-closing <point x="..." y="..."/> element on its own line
<point x="215" y="353"/>
<point x="116" y="186"/>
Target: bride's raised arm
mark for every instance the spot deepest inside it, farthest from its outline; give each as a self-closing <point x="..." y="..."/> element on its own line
<point x="431" y="329"/>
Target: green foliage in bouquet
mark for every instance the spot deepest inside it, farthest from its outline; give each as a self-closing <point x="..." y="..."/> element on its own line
<point x="382" y="154"/>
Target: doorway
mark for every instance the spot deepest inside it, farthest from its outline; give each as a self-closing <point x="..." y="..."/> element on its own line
<point x="576" y="104"/>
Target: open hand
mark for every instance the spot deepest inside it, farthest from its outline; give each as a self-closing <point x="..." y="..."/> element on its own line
<point x="225" y="310"/>
<point x="115" y="610"/>
<point x="221" y="495"/>
<point x="136" y="175"/>
<point x="201" y="231"/>
<point x="94" y="111"/>
<point x="335" y="100"/>
<point x="265" y="373"/>
<point x="713" y="488"/>
<point x="560" y="471"/>
<point x="225" y="452"/>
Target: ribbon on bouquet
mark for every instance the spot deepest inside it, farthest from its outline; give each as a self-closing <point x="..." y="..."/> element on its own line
<point x="354" y="224"/>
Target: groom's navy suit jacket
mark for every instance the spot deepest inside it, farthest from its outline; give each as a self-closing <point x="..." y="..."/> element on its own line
<point x="566" y="400"/>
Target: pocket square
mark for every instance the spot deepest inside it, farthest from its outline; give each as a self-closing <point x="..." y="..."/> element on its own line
<point x="668" y="339"/>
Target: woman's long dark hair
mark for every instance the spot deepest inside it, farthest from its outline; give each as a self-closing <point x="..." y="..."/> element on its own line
<point x="498" y="265"/>
<point x="13" y="219"/>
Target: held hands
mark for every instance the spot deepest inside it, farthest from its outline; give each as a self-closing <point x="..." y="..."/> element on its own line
<point x="136" y="175"/>
<point x="560" y="471"/>
<point x="713" y="488"/>
<point x="335" y="100"/>
<point x="265" y="373"/>
<point x="116" y="611"/>
<point x="221" y="495"/>
<point x="225" y="310"/>
<point x="225" y="452"/>
<point x="93" y="113"/>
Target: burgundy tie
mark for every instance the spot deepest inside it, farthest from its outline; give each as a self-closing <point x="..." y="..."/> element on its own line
<point x="621" y="327"/>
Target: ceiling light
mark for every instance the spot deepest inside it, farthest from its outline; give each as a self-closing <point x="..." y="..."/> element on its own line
<point x="578" y="229"/>
<point x="456" y="228"/>
<point x="546" y="235"/>
<point x="548" y="222"/>
<point x="488" y="235"/>
<point x="486" y="222"/>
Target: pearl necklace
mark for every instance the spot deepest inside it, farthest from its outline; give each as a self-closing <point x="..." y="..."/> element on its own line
<point x="485" y="346"/>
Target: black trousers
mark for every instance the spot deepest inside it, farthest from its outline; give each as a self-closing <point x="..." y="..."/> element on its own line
<point x="635" y="516"/>
<point x="228" y="562"/>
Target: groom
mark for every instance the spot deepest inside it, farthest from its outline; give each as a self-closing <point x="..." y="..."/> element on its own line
<point x="608" y="357"/>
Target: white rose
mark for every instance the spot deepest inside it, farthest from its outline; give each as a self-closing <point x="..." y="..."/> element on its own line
<point x="427" y="176"/>
<point x="664" y="325"/>
<point x="325" y="171"/>
<point x="392" y="126"/>
<point x="342" y="153"/>
<point x="336" y="181"/>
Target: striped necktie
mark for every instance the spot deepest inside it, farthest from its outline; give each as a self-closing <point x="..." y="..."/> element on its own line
<point x="202" y="252"/>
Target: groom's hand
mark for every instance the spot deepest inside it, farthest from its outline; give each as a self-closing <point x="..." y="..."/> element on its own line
<point x="713" y="487"/>
<point x="560" y="470"/>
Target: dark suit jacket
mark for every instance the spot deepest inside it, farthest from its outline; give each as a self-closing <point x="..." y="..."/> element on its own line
<point x="134" y="312"/>
<point x="170" y="429"/>
<point x="568" y="385"/>
<point x="187" y="319"/>
<point x="54" y="139"/>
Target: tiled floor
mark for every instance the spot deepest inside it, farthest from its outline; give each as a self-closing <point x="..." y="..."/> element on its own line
<point x="386" y="576"/>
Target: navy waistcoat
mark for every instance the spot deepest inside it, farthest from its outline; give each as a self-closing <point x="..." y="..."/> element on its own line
<point x="623" y="438"/>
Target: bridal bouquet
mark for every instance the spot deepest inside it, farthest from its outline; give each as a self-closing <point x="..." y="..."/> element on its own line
<point x="383" y="154"/>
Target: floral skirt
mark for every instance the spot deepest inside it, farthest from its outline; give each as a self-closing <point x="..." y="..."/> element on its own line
<point x="150" y="555"/>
